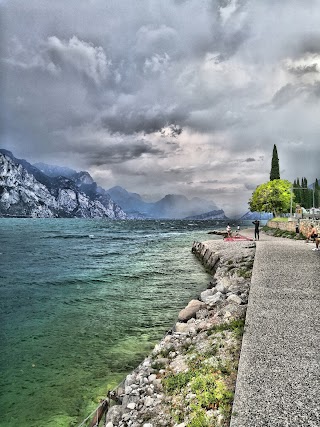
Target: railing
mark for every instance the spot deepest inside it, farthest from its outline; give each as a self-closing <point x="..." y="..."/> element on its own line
<point x="97" y="414"/>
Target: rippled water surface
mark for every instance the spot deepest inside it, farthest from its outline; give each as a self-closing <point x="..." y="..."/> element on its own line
<point x="82" y="302"/>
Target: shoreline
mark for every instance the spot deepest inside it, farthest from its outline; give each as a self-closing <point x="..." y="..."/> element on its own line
<point x="166" y="389"/>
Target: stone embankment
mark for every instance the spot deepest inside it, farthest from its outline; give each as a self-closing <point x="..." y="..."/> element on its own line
<point x="303" y="224"/>
<point x="189" y="378"/>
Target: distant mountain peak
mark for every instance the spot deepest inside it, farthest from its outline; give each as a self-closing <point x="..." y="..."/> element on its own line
<point x="54" y="170"/>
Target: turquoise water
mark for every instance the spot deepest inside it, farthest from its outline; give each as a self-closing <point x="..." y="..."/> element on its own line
<point x="82" y="302"/>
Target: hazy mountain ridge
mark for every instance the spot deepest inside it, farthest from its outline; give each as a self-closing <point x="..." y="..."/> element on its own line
<point x="27" y="191"/>
<point x="216" y="214"/>
<point x="171" y="206"/>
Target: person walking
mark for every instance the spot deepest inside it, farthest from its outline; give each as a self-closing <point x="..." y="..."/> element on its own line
<point x="256" y="229"/>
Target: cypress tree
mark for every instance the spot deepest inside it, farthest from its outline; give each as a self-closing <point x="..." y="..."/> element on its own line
<point x="275" y="172"/>
<point x="298" y="192"/>
<point x="316" y="193"/>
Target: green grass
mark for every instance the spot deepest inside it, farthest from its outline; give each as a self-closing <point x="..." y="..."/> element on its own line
<point x="175" y="382"/>
<point x="236" y="326"/>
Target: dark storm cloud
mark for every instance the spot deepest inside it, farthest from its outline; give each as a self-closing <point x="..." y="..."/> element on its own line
<point x="212" y="83"/>
<point x="304" y="69"/>
<point x="117" y="153"/>
<point x="147" y="120"/>
<point x="309" y="43"/>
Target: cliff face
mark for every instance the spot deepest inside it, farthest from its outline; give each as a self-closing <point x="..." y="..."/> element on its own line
<point x="25" y="190"/>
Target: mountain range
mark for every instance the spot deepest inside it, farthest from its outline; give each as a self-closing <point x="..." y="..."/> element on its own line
<point x="43" y="190"/>
<point x="25" y="190"/>
<point x="170" y="206"/>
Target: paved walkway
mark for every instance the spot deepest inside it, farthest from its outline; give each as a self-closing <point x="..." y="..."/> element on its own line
<point x="279" y="372"/>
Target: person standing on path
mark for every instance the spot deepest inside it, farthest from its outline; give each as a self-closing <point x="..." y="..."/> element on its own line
<point x="256" y="228"/>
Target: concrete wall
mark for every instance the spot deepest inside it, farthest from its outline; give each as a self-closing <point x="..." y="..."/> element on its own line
<point x="304" y="225"/>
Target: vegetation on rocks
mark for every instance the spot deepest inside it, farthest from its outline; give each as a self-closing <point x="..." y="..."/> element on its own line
<point x="189" y="378"/>
<point x="206" y="387"/>
<point x="283" y="233"/>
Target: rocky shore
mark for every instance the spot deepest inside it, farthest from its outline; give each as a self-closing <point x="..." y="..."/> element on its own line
<point x="189" y="378"/>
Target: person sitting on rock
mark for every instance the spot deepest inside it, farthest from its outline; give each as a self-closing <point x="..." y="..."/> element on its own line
<point x="313" y="234"/>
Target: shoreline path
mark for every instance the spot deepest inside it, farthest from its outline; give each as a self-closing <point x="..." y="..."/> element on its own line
<point x="278" y="380"/>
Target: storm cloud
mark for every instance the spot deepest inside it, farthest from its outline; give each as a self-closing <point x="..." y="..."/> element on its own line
<point x="166" y="97"/>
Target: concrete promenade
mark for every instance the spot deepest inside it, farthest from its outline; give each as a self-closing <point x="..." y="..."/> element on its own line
<point x="279" y="372"/>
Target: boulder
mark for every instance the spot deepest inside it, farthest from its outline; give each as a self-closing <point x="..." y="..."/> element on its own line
<point x="220" y="287"/>
<point x="203" y="313"/>
<point x="235" y="298"/>
<point x="214" y="298"/>
<point x="207" y="293"/>
<point x="191" y="310"/>
<point x="182" y="328"/>
<point x="234" y="310"/>
<point x="179" y="364"/>
<point x="114" y="414"/>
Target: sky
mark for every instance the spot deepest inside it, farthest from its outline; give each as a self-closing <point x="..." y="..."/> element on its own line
<point x="164" y="97"/>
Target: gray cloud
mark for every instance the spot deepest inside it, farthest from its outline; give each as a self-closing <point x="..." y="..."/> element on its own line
<point x="304" y="69"/>
<point x="186" y="97"/>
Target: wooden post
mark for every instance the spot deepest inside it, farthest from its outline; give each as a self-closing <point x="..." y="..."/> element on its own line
<point x="99" y="414"/>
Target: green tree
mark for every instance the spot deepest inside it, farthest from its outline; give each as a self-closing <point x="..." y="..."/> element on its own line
<point x="304" y="195"/>
<point x="275" y="171"/>
<point x="273" y="196"/>
<point x="316" y="193"/>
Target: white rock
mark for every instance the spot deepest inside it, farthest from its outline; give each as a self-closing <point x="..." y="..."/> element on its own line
<point x="148" y="401"/>
<point x="183" y="328"/>
<point x="128" y="389"/>
<point x="214" y="299"/>
<point x="221" y="288"/>
<point x="130" y="380"/>
<point x="235" y="299"/>
<point x="131" y="405"/>
<point x="207" y="293"/>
